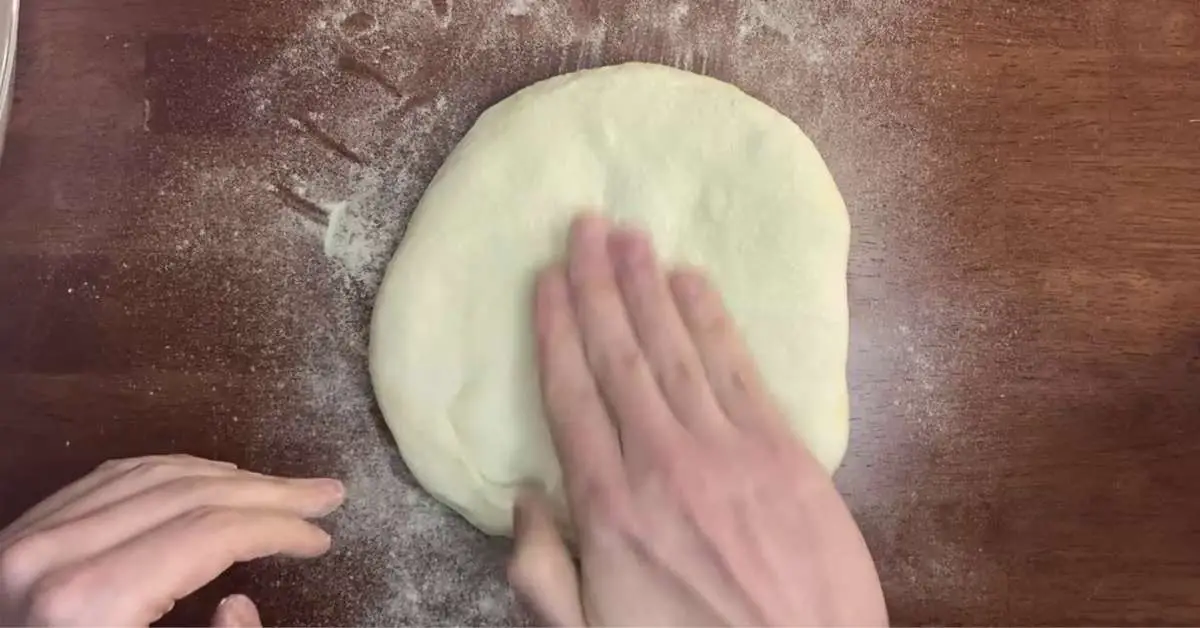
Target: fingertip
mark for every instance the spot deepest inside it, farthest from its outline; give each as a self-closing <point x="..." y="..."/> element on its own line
<point x="541" y="570"/>
<point x="233" y="602"/>
<point x="333" y="502"/>
<point x="236" y="611"/>
<point x="322" y="543"/>
<point x="589" y="229"/>
<point x="328" y="486"/>
<point x="590" y="216"/>
<point x="334" y="489"/>
<point x="529" y="537"/>
<point x="313" y="497"/>
<point x="306" y="541"/>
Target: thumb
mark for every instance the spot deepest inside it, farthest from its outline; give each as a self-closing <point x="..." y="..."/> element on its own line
<point x="542" y="570"/>
<point x="236" y="611"/>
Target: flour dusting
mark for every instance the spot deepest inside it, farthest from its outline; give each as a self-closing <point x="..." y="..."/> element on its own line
<point x="518" y="8"/>
<point x="353" y="116"/>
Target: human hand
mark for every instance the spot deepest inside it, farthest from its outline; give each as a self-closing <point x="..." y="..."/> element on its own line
<point x="693" y="502"/>
<point x="123" y="544"/>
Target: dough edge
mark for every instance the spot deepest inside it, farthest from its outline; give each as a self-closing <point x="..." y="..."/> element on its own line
<point x="419" y="447"/>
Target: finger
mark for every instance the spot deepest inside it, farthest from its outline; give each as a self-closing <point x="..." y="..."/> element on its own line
<point x="541" y="570"/>
<point x="105" y="473"/>
<point x="664" y="337"/>
<point x="236" y="611"/>
<point x="175" y="559"/>
<point x="80" y="539"/>
<point x="730" y="369"/>
<point x="640" y="413"/>
<point x="583" y="434"/>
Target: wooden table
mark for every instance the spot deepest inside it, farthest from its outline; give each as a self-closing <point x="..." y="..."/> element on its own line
<point x="1024" y="180"/>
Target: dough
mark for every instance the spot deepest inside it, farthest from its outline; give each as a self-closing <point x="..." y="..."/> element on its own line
<point x="718" y="178"/>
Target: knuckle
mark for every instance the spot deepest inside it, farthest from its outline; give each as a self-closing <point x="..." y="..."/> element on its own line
<point x="216" y="517"/>
<point x="593" y="291"/>
<point x="121" y="465"/>
<point x="769" y="429"/>
<point x="607" y="505"/>
<point x="715" y="325"/>
<point x="679" y="375"/>
<point x="191" y="485"/>
<point x="742" y="382"/>
<point x="581" y="395"/>
<point x="22" y="558"/>
<point x="673" y="478"/>
<point x="152" y="470"/>
<point x="60" y="599"/>
<point x="570" y="395"/>
<point x="621" y="361"/>
<point x="197" y="491"/>
<point x="692" y="287"/>
<point x="677" y="479"/>
<point x="219" y="524"/>
<point x="629" y="359"/>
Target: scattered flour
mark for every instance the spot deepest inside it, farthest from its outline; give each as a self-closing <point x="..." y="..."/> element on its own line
<point x="517" y="8"/>
<point x="357" y="111"/>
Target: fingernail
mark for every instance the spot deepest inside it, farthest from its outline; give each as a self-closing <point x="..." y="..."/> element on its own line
<point x="236" y="610"/>
<point x="334" y="487"/>
<point x="233" y="603"/>
<point x="326" y="485"/>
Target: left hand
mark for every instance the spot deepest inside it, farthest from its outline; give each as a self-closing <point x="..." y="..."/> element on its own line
<point x="123" y="544"/>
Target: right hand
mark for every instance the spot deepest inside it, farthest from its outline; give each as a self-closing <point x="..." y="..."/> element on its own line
<point x="693" y="502"/>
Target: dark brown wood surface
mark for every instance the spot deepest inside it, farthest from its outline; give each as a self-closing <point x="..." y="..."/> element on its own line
<point x="1024" y="180"/>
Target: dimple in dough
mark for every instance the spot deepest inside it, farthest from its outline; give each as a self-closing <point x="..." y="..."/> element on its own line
<point x="719" y="179"/>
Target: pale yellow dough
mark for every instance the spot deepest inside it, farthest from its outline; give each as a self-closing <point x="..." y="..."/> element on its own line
<point x="718" y="178"/>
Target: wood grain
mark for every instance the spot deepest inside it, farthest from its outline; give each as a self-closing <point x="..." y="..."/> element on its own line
<point x="1026" y="347"/>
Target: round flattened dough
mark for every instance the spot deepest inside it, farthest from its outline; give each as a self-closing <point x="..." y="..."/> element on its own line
<point x="719" y="179"/>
